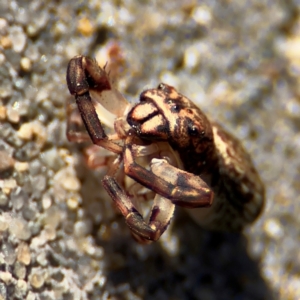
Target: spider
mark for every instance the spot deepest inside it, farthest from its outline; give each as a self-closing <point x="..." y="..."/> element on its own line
<point x="167" y="145"/>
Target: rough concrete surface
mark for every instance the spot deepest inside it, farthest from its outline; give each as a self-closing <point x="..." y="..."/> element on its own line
<point x="60" y="236"/>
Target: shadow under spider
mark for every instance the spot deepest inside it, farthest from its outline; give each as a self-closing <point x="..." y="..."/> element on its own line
<point x="209" y="265"/>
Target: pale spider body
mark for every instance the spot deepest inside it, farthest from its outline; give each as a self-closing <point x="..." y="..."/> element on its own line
<point x="166" y="144"/>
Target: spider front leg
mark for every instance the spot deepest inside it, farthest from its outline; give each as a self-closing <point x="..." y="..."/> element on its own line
<point x="172" y="185"/>
<point x="180" y="187"/>
<point x="93" y="93"/>
<point x="144" y="232"/>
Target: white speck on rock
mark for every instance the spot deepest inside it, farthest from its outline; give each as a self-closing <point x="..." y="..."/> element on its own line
<point x="25" y="64"/>
<point x="273" y="228"/>
<point x="191" y="57"/>
<point x="46" y="202"/>
<point x="202" y="15"/>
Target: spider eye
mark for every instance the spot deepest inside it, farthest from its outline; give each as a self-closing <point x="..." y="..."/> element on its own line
<point x="193" y="130"/>
<point x="175" y="108"/>
<point x="161" y="86"/>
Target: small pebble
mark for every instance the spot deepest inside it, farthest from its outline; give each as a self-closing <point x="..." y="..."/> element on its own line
<point x="13" y="115"/>
<point x="21" y="166"/>
<point x="4" y="221"/>
<point x="3" y="26"/>
<point x="82" y="228"/>
<point x="202" y="15"/>
<point x="46" y="202"/>
<point x="3" y="199"/>
<point x="25" y="64"/>
<point x="5" y="42"/>
<point x="26" y="131"/>
<point x="35" y="227"/>
<point x="191" y="57"/>
<point x="58" y="276"/>
<point x="89" y="247"/>
<point x="18" y="38"/>
<point x="35" y="167"/>
<point x="8" y="250"/>
<point x="6" y="163"/>
<point x="39" y="241"/>
<point x="291" y="49"/>
<point x="18" y="197"/>
<point x="2" y="113"/>
<point x="20" y="229"/>
<point x="23" y="254"/>
<point x="19" y="270"/>
<point x="71" y="183"/>
<point x="31" y="296"/>
<point x="85" y="27"/>
<point x="53" y="217"/>
<point x="52" y="159"/>
<point x="29" y="213"/>
<point x="31" y="130"/>
<point x="65" y="179"/>
<point x="72" y="203"/>
<point x="39" y="182"/>
<point x="50" y="233"/>
<point x="21" y="287"/>
<point x="7" y="185"/>
<point x="6" y="277"/>
<point x="273" y="228"/>
<point x="6" y="90"/>
<point x="42" y="259"/>
<point x="36" y="278"/>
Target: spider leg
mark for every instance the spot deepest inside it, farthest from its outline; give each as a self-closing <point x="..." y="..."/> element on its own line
<point x="180" y="187"/>
<point x="83" y="75"/>
<point x="161" y="213"/>
<point x="76" y="132"/>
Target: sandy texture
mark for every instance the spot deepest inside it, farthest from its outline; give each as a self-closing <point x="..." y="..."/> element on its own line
<point x="60" y="237"/>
